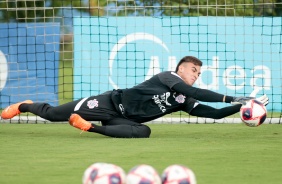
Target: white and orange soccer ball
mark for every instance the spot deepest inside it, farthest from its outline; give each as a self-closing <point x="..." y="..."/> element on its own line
<point x="142" y="174"/>
<point x="178" y="174"/>
<point x="103" y="173"/>
<point x="253" y="113"/>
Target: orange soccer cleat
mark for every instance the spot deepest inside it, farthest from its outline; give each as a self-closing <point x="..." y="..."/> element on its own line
<point x="78" y="122"/>
<point x="13" y="110"/>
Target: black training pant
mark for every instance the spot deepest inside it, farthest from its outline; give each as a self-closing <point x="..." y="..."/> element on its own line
<point x="94" y="108"/>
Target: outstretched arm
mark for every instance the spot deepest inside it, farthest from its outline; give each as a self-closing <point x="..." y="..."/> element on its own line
<point x="210" y="96"/>
<point x="203" y="95"/>
<point x="209" y="112"/>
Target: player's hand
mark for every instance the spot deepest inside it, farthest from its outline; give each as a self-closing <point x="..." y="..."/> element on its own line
<point x="241" y="100"/>
<point x="263" y="99"/>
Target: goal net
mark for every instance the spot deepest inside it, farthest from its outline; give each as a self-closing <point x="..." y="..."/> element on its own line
<point x="60" y="51"/>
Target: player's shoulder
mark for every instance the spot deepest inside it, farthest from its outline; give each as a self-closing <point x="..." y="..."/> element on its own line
<point x="169" y="74"/>
<point x="169" y="78"/>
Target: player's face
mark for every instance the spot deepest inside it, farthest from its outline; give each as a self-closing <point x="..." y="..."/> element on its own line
<point x="189" y="72"/>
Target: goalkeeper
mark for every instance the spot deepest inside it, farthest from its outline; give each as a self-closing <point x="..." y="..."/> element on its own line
<point x="122" y="112"/>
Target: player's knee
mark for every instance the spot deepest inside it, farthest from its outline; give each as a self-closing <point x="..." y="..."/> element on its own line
<point x="141" y="131"/>
<point x="50" y="117"/>
<point x="54" y="116"/>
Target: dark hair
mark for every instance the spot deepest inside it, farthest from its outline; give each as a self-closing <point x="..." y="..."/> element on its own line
<point x="189" y="59"/>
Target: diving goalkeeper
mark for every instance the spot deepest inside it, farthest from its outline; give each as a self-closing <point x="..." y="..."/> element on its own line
<point x="122" y="112"/>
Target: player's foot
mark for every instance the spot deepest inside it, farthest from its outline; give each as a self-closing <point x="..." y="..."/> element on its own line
<point x="78" y="122"/>
<point x="13" y="110"/>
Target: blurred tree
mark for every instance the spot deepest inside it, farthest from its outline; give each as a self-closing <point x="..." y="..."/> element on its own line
<point x="200" y="7"/>
<point x="47" y="10"/>
<point x="50" y="10"/>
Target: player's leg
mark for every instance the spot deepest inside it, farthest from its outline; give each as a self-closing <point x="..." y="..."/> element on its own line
<point x="44" y="110"/>
<point x="117" y="127"/>
<point x="48" y="112"/>
<point x="121" y="127"/>
<point x="85" y="107"/>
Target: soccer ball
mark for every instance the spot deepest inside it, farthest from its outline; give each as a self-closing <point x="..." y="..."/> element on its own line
<point x="103" y="173"/>
<point x="143" y="174"/>
<point x="253" y="113"/>
<point x="178" y="174"/>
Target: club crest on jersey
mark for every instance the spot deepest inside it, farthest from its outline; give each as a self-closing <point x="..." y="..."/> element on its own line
<point x="92" y="104"/>
<point x="180" y="98"/>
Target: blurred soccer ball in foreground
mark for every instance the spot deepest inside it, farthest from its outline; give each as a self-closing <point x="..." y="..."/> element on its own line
<point x="143" y="174"/>
<point x="178" y="174"/>
<point x="253" y="113"/>
<point x="103" y="173"/>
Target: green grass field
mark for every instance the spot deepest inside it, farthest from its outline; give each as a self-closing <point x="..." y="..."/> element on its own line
<point x="218" y="153"/>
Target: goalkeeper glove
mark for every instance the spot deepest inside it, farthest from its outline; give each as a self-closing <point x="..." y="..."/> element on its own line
<point x="263" y="99"/>
<point x="243" y="100"/>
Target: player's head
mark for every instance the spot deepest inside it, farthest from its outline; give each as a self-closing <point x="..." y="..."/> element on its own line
<point x="189" y="69"/>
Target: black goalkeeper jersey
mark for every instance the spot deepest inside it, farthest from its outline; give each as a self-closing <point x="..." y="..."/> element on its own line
<point x="153" y="98"/>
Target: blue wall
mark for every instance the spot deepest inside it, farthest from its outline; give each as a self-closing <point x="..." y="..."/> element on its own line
<point x="239" y="54"/>
<point x="29" y="62"/>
